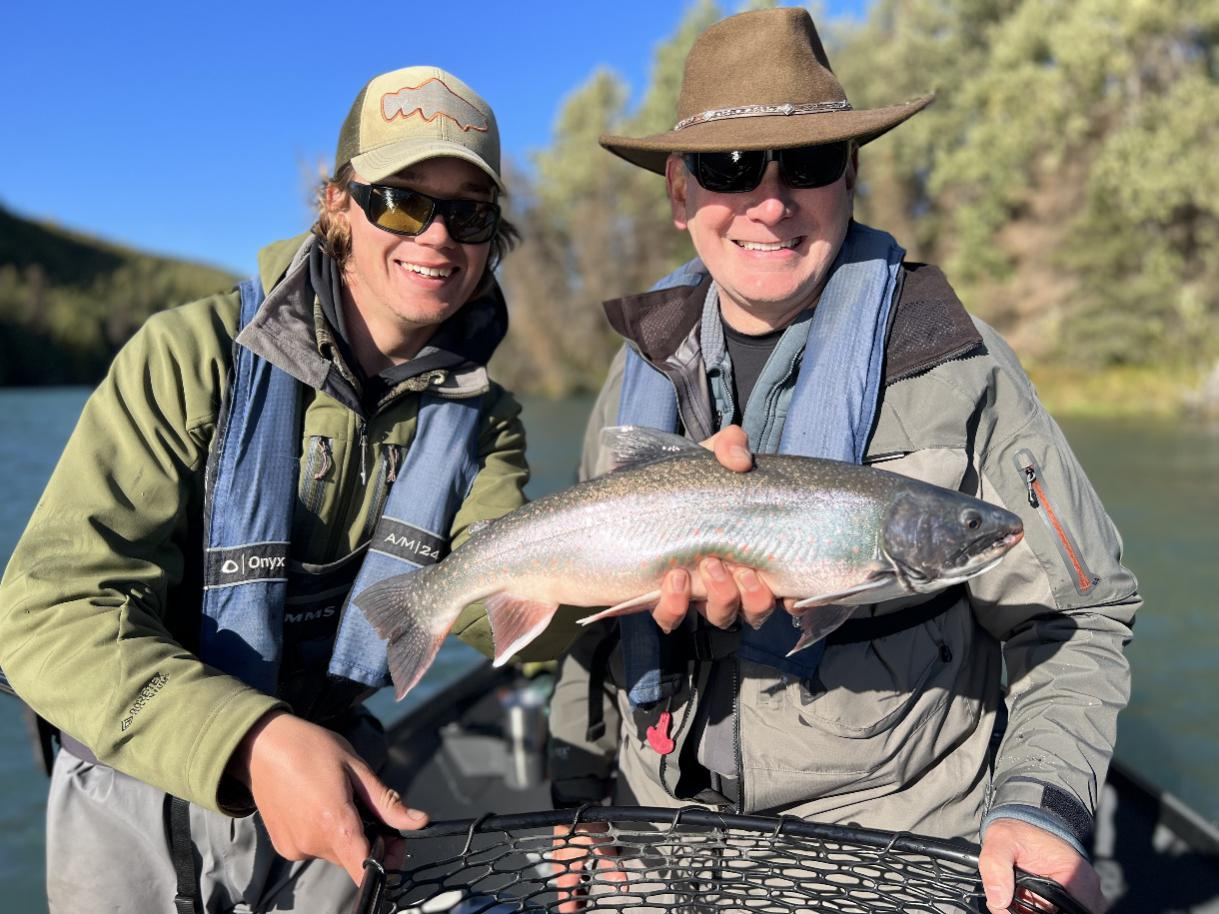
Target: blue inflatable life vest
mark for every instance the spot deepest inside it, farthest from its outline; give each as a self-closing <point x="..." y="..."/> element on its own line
<point x="832" y="412"/>
<point x="250" y="493"/>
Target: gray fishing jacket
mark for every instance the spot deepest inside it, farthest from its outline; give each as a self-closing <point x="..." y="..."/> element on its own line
<point x="900" y="731"/>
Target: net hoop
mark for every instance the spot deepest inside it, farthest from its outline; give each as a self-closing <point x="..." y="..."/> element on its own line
<point x="495" y="864"/>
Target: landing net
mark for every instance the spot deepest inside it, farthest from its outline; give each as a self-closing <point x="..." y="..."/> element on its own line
<point x="638" y="860"/>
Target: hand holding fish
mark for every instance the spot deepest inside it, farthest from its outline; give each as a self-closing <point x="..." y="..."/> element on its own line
<point x="731" y="591"/>
<point x="731" y="448"/>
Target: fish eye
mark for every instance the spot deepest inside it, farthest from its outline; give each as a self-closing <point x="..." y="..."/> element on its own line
<point x="971" y="519"/>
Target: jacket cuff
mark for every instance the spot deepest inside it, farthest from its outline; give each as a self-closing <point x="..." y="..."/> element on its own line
<point x="1060" y="810"/>
<point x="1038" y="818"/>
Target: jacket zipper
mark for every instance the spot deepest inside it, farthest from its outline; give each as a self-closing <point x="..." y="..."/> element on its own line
<point x="363" y="436"/>
<point x="387" y="472"/>
<point x="736" y="737"/>
<point x="350" y="493"/>
<point x="679" y="728"/>
<point x="1038" y="497"/>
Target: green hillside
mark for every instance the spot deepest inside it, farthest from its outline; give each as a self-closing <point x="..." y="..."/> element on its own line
<point x="68" y="301"/>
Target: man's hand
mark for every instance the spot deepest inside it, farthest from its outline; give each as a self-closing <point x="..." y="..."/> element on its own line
<point x="733" y="591"/>
<point x="310" y="787"/>
<point x="580" y="851"/>
<point x="731" y="448"/>
<point x="1010" y="843"/>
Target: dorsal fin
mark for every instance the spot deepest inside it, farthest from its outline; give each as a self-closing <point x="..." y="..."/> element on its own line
<point x="634" y="445"/>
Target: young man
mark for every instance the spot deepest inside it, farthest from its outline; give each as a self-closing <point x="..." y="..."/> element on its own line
<point x="816" y="334"/>
<point x="180" y="604"/>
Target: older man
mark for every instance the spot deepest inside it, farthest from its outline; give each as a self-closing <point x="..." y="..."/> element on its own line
<point x="818" y="336"/>
<point x="180" y="605"/>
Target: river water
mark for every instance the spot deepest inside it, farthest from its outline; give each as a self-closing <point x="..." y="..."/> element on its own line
<point x="1157" y="479"/>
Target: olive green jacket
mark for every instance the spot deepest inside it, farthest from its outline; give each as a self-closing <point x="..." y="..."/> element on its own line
<point x="101" y="598"/>
<point x="896" y="732"/>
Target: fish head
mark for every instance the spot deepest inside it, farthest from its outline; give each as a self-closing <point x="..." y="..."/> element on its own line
<point x="936" y="538"/>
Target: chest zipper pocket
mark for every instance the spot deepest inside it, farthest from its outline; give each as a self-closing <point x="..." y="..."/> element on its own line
<point x="387" y="475"/>
<point x="1039" y="498"/>
<point x="317" y="467"/>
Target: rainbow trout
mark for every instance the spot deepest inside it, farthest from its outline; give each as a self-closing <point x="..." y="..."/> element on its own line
<point x="833" y="535"/>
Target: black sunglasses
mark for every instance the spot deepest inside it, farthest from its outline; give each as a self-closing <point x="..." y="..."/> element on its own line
<point x="740" y="171"/>
<point x="409" y="212"/>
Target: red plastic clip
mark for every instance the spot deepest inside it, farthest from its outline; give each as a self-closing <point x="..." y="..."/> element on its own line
<point x="658" y="734"/>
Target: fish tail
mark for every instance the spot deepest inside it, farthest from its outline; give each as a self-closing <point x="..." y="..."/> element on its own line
<point x="411" y="613"/>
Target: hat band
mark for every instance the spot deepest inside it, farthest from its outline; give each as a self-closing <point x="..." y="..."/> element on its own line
<point x="721" y="114"/>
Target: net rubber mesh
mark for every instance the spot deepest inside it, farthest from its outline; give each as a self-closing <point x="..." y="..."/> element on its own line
<point x="636" y="860"/>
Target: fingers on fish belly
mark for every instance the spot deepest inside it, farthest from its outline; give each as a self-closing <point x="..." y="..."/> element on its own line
<point x="641" y="603"/>
<point x="515" y="622"/>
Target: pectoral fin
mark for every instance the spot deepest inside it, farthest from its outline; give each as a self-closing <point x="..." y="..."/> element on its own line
<point x="638" y="604"/>
<point x="824" y="599"/>
<point x="515" y="622"/>
<point x="817" y="623"/>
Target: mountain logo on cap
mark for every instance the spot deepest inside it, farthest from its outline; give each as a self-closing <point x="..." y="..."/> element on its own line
<point x="432" y="99"/>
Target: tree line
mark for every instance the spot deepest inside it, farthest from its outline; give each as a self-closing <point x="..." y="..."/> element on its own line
<point x="68" y="302"/>
<point x="1065" y="178"/>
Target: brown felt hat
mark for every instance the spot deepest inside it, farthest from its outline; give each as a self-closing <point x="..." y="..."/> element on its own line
<point x="760" y="80"/>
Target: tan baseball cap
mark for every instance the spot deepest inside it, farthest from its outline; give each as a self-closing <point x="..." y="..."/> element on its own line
<point x="406" y="116"/>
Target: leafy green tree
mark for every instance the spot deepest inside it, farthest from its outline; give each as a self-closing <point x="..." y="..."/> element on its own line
<point x="595" y="227"/>
<point x="1063" y="174"/>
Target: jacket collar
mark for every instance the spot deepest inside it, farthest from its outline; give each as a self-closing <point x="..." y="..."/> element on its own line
<point x="658" y="322"/>
<point x="290" y="332"/>
<point x="929" y="326"/>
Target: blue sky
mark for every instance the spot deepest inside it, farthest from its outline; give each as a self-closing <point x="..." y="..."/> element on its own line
<point x="196" y="130"/>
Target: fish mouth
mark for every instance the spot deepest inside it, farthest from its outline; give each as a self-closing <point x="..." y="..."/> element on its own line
<point x="969" y="561"/>
<point x="985" y="551"/>
<point x="972" y="570"/>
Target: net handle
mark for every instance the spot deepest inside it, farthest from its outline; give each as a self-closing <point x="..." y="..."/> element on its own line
<point x="372" y="886"/>
<point x="1047" y="890"/>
